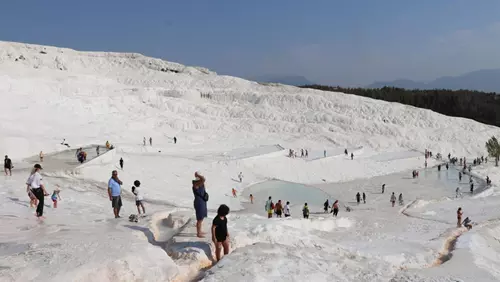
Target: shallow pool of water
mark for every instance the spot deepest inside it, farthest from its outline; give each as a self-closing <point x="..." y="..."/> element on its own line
<point x="297" y="194"/>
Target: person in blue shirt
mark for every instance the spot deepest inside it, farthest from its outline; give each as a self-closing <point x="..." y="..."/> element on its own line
<point x="114" y="192"/>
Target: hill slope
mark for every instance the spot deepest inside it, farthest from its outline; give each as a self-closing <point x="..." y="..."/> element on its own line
<point x="112" y="96"/>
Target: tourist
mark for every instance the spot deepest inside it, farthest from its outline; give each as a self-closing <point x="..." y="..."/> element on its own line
<point x="35" y="185"/>
<point x="286" y="210"/>
<point x="220" y="235"/>
<point x="114" y="193"/>
<point x="200" y="202"/>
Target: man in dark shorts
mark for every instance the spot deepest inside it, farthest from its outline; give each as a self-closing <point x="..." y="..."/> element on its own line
<point x="114" y="192"/>
<point x="220" y="235"/>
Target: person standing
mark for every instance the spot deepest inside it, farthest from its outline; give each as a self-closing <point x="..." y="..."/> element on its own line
<point x="383" y="187"/>
<point x="144" y="141"/>
<point x="200" y="202"/>
<point x="352" y="156"/>
<point x="97" y="150"/>
<point x="286" y="210"/>
<point x="55" y="197"/>
<point x="175" y="140"/>
<point x="251" y="198"/>
<point x="220" y="235"/>
<point x="121" y="163"/>
<point x="138" y="197"/>
<point x="7" y="165"/>
<point x="324" y="153"/>
<point x="326" y="205"/>
<point x="269" y="207"/>
<point x="278" y="209"/>
<point x="335" y="208"/>
<point x="307" y="153"/>
<point x="114" y="193"/>
<point x="41" y="156"/>
<point x="35" y="185"/>
<point x="459" y="217"/>
<point x="358" y="198"/>
<point x="393" y="199"/>
<point x="305" y="211"/>
<point x="240" y="177"/>
<point x="150" y="141"/>
<point x="400" y="199"/>
<point x="364" y="198"/>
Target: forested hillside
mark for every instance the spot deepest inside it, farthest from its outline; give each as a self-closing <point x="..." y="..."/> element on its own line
<point x="480" y="106"/>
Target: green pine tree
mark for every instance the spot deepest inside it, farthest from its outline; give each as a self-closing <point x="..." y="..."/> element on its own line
<point x="493" y="148"/>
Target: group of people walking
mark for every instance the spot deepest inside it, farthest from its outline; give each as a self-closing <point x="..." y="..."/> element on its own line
<point x="304" y="153"/>
<point x="277" y="209"/>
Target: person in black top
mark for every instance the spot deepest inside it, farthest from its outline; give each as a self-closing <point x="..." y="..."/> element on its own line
<point x="7" y="165"/>
<point x="220" y="236"/>
<point x="121" y="163"/>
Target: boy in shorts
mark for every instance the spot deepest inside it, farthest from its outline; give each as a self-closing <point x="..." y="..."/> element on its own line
<point x="138" y="197"/>
<point x="220" y="235"/>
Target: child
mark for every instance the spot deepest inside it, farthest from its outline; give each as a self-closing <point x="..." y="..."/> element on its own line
<point x="33" y="199"/>
<point x="41" y="156"/>
<point x="220" y="235"/>
<point x="305" y="211"/>
<point x="251" y="198"/>
<point x="234" y="192"/>
<point x="138" y="197"/>
<point x="55" y="196"/>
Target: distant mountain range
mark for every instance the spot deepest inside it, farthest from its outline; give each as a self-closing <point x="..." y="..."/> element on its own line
<point x="295" y="80"/>
<point x="481" y="80"/>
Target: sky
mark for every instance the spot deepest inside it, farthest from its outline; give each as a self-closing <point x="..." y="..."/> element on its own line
<point x="347" y="43"/>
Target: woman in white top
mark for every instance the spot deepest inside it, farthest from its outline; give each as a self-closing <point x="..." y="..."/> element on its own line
<point x="35" y="185"/>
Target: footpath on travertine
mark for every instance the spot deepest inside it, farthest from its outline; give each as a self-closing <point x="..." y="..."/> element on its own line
<point x="66" y="160"/>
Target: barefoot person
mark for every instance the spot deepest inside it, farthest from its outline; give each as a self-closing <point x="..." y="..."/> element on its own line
<point x="200" y="202"/>
<point x="220" y="235"/>
<point x="35" y="185"/>
<point x="7" y="165"/>
<point x="459" y="217"/>
<point x="114" y="192"/>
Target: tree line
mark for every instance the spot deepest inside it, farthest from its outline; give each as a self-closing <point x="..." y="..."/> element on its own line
<point x="480" y="106"/>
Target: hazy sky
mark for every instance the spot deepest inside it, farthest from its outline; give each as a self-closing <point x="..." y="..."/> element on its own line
<point x="332" y="42"/>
